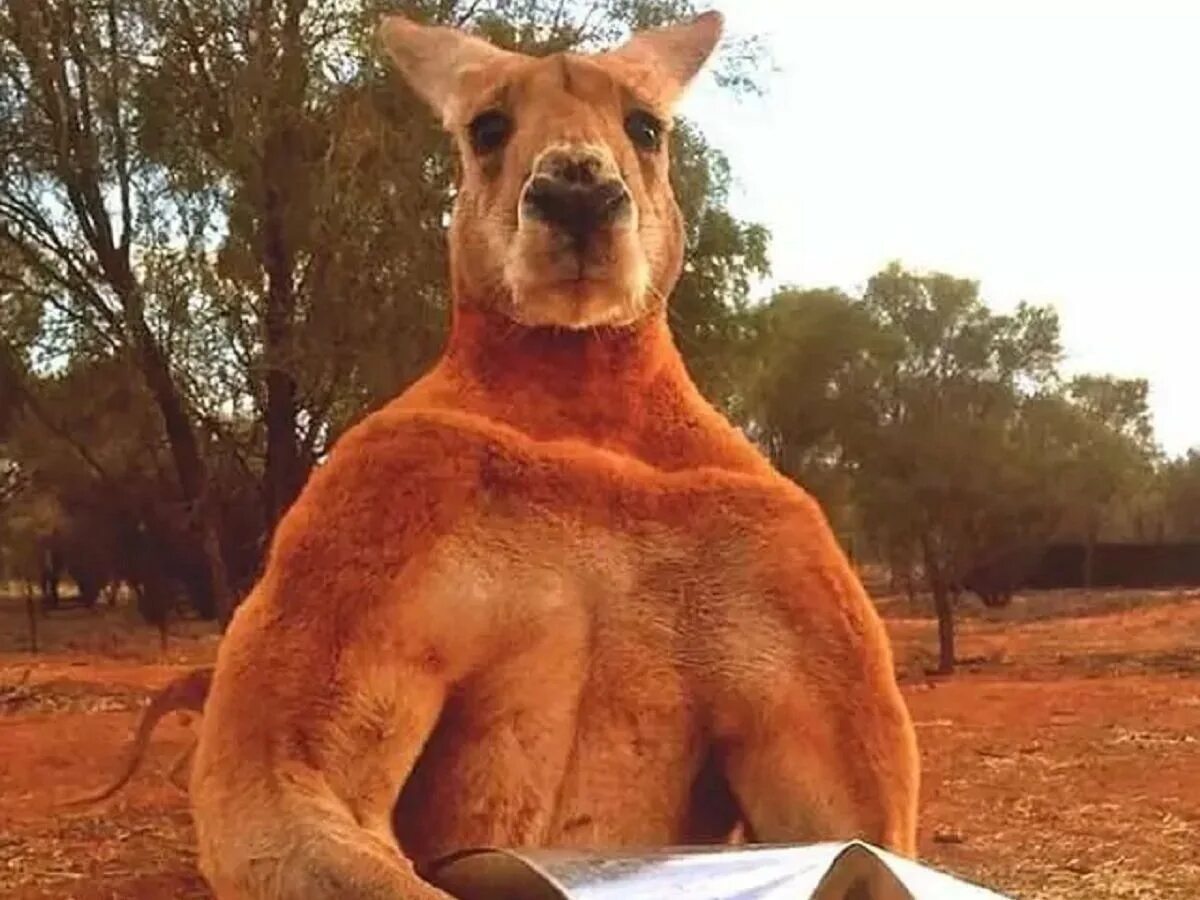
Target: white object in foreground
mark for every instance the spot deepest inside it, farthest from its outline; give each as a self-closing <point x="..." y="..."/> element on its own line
<point x="833" y="871"/>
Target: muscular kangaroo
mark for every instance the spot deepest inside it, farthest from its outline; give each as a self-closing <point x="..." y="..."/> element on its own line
<point x="548" y="595"/>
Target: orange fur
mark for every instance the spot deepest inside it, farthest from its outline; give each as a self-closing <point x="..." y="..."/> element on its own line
<point x="548" y="596"/>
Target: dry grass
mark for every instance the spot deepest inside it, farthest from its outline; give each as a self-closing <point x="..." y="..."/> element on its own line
<point x="1062" y="763"/>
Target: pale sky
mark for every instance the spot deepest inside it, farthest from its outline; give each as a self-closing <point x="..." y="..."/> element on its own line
<point x="1049" y="149"/>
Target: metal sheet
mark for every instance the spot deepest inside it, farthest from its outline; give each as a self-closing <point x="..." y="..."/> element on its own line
<point x="756" y="872"/>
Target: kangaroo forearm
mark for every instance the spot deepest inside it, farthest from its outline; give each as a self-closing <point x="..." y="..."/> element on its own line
<point x="298" y="850"/>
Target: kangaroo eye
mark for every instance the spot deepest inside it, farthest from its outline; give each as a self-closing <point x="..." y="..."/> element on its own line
<point x="644" y="130"/>
<point x="489" y="130"/>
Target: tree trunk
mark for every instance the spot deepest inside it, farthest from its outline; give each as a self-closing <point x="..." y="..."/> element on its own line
<point x="1089" y="558"/>
<point x="943" y="604"/>
<point x="281" y="182"/>
<point x="31" y="614"/>
<point x="186" y="455"/>
<point x="189" y="462"/>
<point x="281" y="475"/>
<point x="50" y="579"/>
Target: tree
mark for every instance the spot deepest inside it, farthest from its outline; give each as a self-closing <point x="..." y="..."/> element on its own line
<point x="1180" y="479"/>
<point x="1114" y="450"/>
<point x="812" y="369"/>
<point x="933" y="460"/>
<point x="77" y="198"/>
<point x="943" y="428"/>
<point x="333" y="187"/>
<point x="709" y="310"/>
<point x="242" y="205"/>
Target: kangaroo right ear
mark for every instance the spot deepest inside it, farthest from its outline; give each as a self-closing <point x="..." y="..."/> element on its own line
<point x="433" y="59"/>
<point x="671" y="55"/>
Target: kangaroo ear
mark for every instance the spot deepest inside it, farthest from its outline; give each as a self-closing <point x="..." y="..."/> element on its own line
<point x="433" y="59"/>
<point x="669" y="58"/>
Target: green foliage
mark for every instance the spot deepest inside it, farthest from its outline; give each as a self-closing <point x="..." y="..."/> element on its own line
<point x="931" y="464"/>
<point x="812" y="367"/>
<point x="96" y="487"/>
<point x="914" y="393"/>
<point x="1180" y="495"/>
<point x="943" y="428"/>
<point x="722" y="256"/>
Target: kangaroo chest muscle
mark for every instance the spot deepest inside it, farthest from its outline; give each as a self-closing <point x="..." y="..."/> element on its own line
<point x="587" y="738"/>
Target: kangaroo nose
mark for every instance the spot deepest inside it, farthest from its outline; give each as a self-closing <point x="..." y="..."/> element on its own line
<point x="574" y="194"/>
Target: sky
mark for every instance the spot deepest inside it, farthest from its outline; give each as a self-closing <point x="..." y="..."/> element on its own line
<point x="1050" y="150"/>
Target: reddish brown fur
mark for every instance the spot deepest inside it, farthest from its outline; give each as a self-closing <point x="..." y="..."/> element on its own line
<point x="548" y="595"/>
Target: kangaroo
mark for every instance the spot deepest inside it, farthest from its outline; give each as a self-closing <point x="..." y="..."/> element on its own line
<point x="187" y="692"/>
<point x="548" y="596"/>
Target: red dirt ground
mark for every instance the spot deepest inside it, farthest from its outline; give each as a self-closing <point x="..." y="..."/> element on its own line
<point x="1063" y="761"/>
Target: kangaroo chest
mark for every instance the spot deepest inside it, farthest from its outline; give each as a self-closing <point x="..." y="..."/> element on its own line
<point x="590" y="732"/>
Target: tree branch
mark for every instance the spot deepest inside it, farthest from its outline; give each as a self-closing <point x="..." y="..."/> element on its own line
<point x="466" y="16"/>
<point x="212" y="97"/>
<point x="120" y="137"/>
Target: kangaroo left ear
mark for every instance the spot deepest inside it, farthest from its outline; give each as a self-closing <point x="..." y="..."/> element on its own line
<point x="433" y="59"/>
<point x="670" y="57"/>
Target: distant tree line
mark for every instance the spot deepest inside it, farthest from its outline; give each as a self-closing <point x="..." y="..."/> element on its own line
<point x="222" y="243"/>
<point x="944" y="437"/>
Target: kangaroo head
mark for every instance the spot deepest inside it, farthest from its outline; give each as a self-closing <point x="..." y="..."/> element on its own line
<point x="564" y="214"/>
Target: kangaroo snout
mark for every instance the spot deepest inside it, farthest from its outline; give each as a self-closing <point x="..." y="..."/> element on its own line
<point x="576" y="190"/>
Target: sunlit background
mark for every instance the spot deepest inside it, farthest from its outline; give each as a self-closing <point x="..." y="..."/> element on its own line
<point x="1050" y="150"/>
